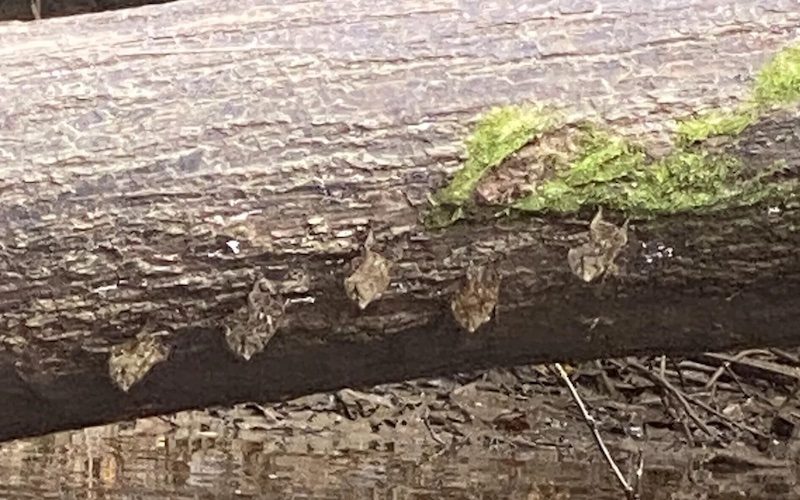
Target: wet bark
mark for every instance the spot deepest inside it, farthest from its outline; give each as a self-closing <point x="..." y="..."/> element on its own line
<point x="191" y="172"/>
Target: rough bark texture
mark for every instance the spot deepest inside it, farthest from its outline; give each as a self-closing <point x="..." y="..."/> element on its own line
<point x="157" y="163"/>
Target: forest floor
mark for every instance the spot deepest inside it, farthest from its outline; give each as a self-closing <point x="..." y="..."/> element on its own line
<point x="711" y="426"/>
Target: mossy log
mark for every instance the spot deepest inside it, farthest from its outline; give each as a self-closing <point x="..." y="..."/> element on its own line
<point x="207" y="202"/>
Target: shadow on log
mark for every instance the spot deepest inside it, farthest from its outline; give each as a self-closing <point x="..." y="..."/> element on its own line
<point x="184" y="193"/>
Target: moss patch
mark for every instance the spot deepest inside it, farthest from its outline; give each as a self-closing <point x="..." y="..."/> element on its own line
<point x="716" y="123"/>
<point x="778" y="82"/>
<point x="601" y="159"/>
<point x="683" y="181"/>
<point x="498" y="134"/>
<point x="595" y="167"/>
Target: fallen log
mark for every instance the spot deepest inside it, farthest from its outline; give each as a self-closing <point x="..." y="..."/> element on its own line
<point x="204" y="202"/>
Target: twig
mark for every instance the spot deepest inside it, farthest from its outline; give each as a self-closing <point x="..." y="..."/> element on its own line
<point x="36" y="9"/>
<point x="689" y="364"/>
<point x="609" y="386"/>
<point x="592" y="423"/>
<point x="696" y="379"/>
<point x="736" y="381"/>
<point x="744" y="459"/>
<point x="637" y="475"/>
<point x="687" y="432"/>
<point x="655" y="377"/>
<point x="680" y="373"/>
<point x="725" y="418"/>
<point x="167" y="420"/>
<point x="427" y="424"/>
<point x="792" y="395"/>
<point x="728" y="361"/>
<point x="786" y="356"/>
<point x="527" y="443"/>
<point x="673" y="413"/>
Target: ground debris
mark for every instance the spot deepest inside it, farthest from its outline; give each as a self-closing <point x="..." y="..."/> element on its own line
<point x="709" y="413"/>
<point x="741" y="458"/>
<point x="361" y="404"/>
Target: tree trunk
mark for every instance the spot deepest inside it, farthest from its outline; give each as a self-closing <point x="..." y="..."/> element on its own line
<point x="181" y="182"/>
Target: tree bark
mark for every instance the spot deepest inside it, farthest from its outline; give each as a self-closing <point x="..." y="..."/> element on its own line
<point x="189" y="175"/>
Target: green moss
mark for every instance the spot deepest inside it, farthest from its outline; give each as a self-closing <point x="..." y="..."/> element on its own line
<point x="602" y="161"/>
<point x="441" y="216"/>
<point x="592" y="167"/>
<point x="498" y="134"/>
<point x="778" y="82"/>
<point x="689" y="181"/>
<point x="599" y="168"/>
<point x="683" y="181"/>
<point x="602" y="158"/>
<point x="716" y="123"/>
